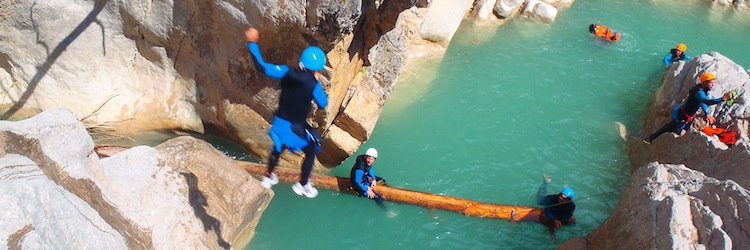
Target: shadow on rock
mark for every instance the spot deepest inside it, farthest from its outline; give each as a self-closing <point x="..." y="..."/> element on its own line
<point x="198" y="202"/>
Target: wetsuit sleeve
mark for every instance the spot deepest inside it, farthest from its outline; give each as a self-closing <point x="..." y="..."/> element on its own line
<point x="548" y="207"/>
<point x="549" y="213"/>
<point x="358" y="179"/>
<point x="320" y="96"/>
<point x="705" y="101"/>
<point x="372" y="174"/>
<point x="668" y="59"/>
<point x="568" y="213"/>
<point x="687" y="58"/>
<point x="271" y="70"/>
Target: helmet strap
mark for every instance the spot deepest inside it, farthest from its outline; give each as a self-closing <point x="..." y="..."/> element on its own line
<point x="301" y="66"/>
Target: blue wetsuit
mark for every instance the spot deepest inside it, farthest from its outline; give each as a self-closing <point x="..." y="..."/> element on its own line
<point x="362" y="177"/>
<point x="672" y="57"/>
<point x="682" y="114"/>
<point x="289" y="128"/>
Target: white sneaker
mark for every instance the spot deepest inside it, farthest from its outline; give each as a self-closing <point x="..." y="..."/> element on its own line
<point x="267" y="182"/>
<point x="307" y="190"/>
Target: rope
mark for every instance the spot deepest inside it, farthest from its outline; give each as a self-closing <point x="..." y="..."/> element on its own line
<point x="695" y="181"/>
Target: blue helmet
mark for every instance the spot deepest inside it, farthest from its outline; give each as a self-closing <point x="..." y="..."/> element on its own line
<point x="568" y="192"/>
<point x="313" y="58"/>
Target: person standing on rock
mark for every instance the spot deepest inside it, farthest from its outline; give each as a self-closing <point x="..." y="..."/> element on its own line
<point x="683" y="114"/>
<point x="290" y="130"/>
<point x="363" y="177"/>
<point x="676" y="54"/>
<point x="558" y="208"/>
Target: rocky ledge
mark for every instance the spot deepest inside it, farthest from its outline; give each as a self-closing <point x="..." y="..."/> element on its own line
<point x="182" y="194"/>
<point x="686" y="192"/>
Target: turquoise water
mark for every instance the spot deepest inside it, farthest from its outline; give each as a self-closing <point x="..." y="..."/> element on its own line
<point x="505" y="106"/>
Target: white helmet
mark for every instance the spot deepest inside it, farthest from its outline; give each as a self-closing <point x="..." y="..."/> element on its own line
<point x="371" y="152"/>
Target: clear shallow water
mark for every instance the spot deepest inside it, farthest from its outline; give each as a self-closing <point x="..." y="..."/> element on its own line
<point x="492" y="117"/>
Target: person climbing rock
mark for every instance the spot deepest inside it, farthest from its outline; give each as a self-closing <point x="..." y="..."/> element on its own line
<point x="558" y="208"/>
<point x="290" y="130"/>
<point x="604" y="33"/>
<point x="675" y="55"/>
<point x="683" y="114"/>
<point x="363" y="177"/>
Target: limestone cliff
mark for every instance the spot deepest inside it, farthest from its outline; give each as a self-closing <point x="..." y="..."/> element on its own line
<point x="184" y="65"/>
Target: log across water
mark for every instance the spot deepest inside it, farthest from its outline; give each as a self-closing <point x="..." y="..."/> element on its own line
<point x="432" y="201"/>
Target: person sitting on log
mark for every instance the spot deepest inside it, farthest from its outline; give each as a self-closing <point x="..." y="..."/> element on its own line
<point x="558" y="208"/>
<point x="363" y="178"/>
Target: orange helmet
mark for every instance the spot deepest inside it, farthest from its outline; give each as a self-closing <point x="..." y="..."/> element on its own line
<point x="682" y="47"/>
<point x="707" y="77"/>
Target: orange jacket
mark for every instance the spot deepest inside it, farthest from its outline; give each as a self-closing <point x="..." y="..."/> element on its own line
<point x="727" y="137"/>
<point x="605" y="33"/>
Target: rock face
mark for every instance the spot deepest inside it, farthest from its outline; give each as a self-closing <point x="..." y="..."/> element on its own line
<point x="184" y="65"/>
<point x="183" y="194"/>
<point x="673" y="207"/>
<point x="544" y="11"/>
<point x="139" y="65"/>
<point x="695" y="149"/>
<point x="442" y="20"/>
<point x="700" y="203"/>
<point x="737" y="4"/>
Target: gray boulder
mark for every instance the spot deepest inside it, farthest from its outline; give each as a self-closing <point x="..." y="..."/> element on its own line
<point x="442" y="20"/>
<point x="674" y="207"/>
<point x="58" y="190"/>
<point x="508" y="8"/>
<point x="695" y="149"/>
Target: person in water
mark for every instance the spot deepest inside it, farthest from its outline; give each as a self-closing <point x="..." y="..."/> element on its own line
<point x="604" y="33"/>
<point x="363" y="178"/>
<point x="676" y="54"/>
<point x="289" y="130"/>
<point x="683" y="114"/>
<point x="558" y="208"/>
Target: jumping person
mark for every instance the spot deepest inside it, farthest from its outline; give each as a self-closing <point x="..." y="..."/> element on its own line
<point x="558" y="208"/>
<point x="363" y="178"/>
<point x="683" y="114"/>
<point x="604" y="33"/>
<point x="676" y="54"/>
<point x="289" y="130"/>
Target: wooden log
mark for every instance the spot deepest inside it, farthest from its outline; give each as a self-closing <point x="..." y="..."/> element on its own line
<point x="428" y="200"/>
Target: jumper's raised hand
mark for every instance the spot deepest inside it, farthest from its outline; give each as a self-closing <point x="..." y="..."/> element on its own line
<point x="252" y="35"/>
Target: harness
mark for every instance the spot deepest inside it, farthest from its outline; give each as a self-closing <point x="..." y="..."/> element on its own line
<point x="688" y="118"/>
<point x="293" y="136"/>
